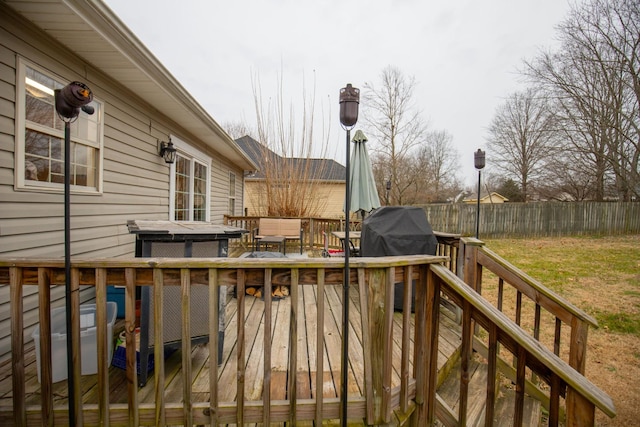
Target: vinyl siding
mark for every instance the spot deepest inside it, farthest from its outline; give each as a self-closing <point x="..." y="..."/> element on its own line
<point x="135" y="179"/>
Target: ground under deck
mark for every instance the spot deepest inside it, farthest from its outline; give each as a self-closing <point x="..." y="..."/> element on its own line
<point x="254" y="323"/>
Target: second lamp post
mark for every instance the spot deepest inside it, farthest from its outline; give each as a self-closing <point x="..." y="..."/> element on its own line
<point x="349" y="100"/>
<point x="478" y="161"/>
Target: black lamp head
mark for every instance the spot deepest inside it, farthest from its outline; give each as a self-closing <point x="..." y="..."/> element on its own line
<point x="349" y="100"/>
<point x="71" y="98"/>
<point x="478" y="159"/>
<point x="167" y="151"/>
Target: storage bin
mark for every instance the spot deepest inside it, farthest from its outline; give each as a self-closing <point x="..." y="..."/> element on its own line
<point x="116" y="294"/>
<point x="88" y="340"/>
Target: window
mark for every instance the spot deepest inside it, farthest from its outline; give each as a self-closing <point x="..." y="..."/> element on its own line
<point x="190" y="184"/>
<point x="40" y="137"/>
<point x="232" y="193"/>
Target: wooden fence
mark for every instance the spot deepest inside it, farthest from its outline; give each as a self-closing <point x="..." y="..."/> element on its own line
<point x="537" y="219"/>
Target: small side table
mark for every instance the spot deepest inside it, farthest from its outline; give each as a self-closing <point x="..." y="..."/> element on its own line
<point x="273" y="240"/>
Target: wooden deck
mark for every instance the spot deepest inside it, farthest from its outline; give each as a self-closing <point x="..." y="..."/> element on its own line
<point x="306" y="374"/>
<point x="302" y="370"/>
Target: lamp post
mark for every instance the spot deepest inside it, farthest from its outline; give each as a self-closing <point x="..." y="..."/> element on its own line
<point x="478" y="161"/>
<point x="69" y="100"/>
<point x="388" y="186"/>
<point x="349" y="100"/>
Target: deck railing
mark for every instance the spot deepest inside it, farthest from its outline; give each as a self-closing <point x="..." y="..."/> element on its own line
<point x="547" y="317"/>
<point x="489" y="332"/>
<point x="531" y="305"/>
<point x="398" y="386"/>
<point x="315" y="229"/>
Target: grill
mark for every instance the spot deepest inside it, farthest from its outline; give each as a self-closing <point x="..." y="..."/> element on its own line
<point x="397" y="230"/>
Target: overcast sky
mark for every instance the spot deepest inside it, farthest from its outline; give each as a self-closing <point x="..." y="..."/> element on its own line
<point x="464" y="54"/>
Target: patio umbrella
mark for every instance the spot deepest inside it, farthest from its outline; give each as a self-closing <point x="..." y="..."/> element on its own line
<point x="364" y="194"/>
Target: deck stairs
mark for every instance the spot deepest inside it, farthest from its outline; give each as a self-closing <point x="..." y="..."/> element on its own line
<point x="449" y="392"/>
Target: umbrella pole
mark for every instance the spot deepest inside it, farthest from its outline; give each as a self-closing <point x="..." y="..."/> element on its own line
<point x="345" y="294"/>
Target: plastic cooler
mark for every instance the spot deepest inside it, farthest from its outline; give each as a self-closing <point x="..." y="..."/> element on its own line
<point x="88" y="340"/>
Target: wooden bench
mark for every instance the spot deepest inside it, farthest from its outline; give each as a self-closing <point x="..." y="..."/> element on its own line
<point x="289" y="228"/>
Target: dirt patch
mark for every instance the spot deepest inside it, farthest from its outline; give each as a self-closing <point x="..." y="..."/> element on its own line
<point x="613" y="364"/>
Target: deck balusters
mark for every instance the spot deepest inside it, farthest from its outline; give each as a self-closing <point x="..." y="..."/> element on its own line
<point x="293" y="345"/>
<point x="185" y="287"/>
<point x="130" y="347"/>
<point x="44" y="296"/>
<point x="158" y="344"/>
<point x="102" y="345"/>
<point x="214" y="307"/>
<point x="241" y="363"/>
<point x="320" y="347"/>
<point x="406" y="332"/>
<point x="266" y="389"/>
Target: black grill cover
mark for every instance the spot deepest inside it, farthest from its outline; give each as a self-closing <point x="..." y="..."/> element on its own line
<point x="397" y="230"/>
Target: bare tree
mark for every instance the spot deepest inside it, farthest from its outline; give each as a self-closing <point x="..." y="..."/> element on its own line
<point x="291" y="173"/>
<point x="436" y="167"/>
<point x="395" y="124"/>
<point x="521" y="138"/>
<point x="595" y="81"/>
<point x="238" y="129"/>
<point x="567" y="178"/>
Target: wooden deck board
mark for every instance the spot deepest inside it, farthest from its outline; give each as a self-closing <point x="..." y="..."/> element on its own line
<point x="254" y="320"/>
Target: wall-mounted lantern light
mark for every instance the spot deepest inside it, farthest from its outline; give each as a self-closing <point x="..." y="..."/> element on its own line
<point x="167" y="151"/>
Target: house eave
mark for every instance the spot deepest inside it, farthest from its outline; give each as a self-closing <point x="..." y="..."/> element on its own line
<point x="89" y="29"/>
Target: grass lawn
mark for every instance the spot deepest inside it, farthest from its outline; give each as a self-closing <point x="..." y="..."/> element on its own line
<point x="600" y="275"/>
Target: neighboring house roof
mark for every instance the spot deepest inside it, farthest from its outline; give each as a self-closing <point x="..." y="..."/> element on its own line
<point x="320" y="169"/>
<point x="255" y="150"/>
<point x="488" y="198"/>
<point x="92" y="31"/>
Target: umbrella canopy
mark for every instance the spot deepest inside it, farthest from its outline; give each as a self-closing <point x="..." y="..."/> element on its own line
<point x="364" y="195"/>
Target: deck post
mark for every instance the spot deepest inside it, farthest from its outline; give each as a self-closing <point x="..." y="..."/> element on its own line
<point x="431" y="322"/>
<point x="578" y="344"/>
<point x="472" y="276"/>
<point x="472" y="271"/>
<point x="421" y="415"/>
<point x="17" y="345"/>
<point x="580" y="411"/>
<point x="377" y="308"/>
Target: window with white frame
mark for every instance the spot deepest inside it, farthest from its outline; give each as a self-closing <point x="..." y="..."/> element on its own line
<point x="40" y="137"/>
<point x="232" y="193"/>
<point x="190" y="184"/>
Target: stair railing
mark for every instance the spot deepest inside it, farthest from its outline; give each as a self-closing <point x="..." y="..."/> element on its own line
<point x="535" y="306"/>
<point x="499" y="334"/>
